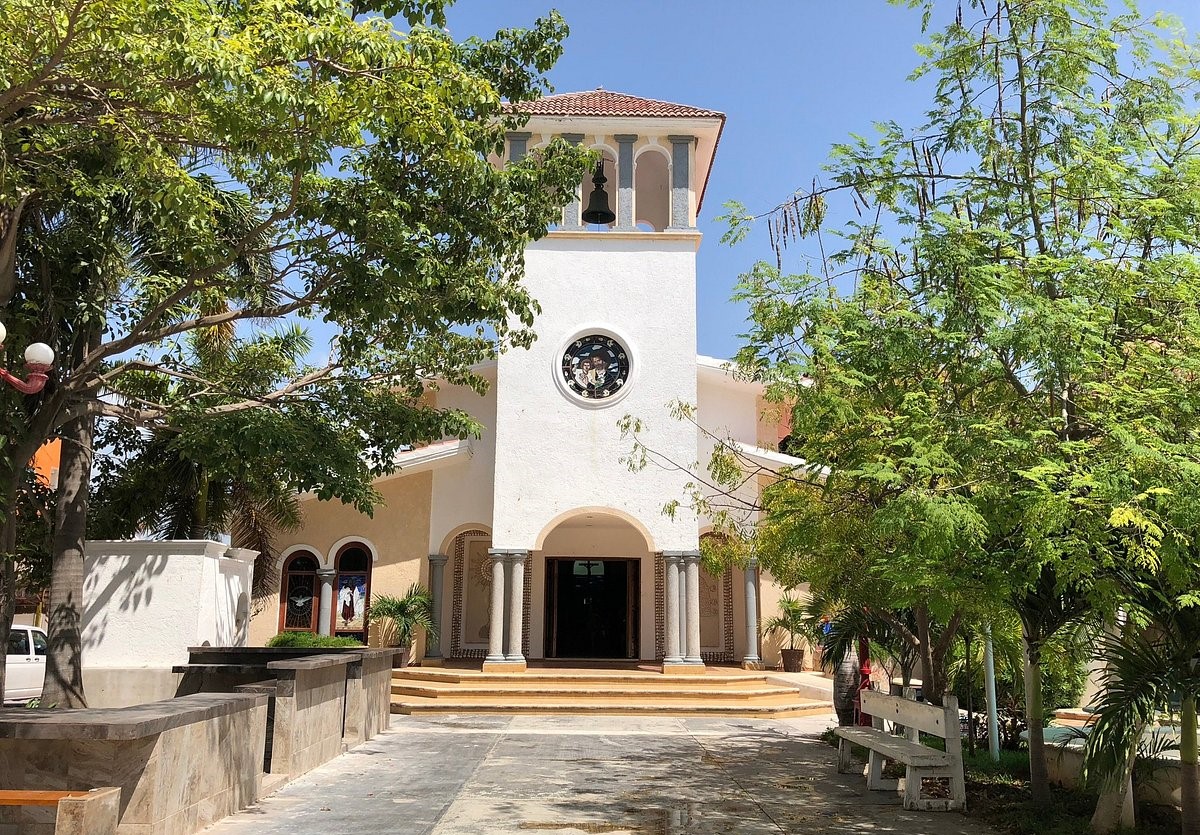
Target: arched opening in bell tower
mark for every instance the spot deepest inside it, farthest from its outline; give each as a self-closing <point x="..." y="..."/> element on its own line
<point x="651" y="190"/>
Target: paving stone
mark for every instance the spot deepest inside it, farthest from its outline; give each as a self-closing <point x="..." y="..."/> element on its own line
<point x="562" y="775"/>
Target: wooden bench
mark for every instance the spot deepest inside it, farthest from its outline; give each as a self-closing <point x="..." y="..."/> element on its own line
<point x="920" y="761"/>
<point x="78" y="812"/>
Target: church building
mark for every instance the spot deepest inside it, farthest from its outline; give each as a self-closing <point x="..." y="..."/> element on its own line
<point x="537" y="540"/>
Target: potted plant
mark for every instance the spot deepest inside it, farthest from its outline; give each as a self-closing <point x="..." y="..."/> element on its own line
<point x="407" y="614"/>
<point x="791" y="620"/>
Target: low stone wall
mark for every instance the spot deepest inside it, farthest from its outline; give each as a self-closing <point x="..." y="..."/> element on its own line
<point x="127" y="686"/>
<point x="310" y="708"/>
<point x="1158" y="784"/>
<point x="377" y="689"/>
<point x="181" y="764"/>
<point x="363" y="696"/>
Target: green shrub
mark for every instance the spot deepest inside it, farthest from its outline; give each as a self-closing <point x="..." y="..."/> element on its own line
<point x="307" y="640"/>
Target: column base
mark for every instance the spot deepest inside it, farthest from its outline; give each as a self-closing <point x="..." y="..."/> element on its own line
<point x="433" y="662"/>
<point x="752" y="664"/>
<point x="505" y="666"/>
<point x="684" y="668"/>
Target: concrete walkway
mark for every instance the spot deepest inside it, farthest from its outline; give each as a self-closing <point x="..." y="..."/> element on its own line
<point x="477" y="775"/>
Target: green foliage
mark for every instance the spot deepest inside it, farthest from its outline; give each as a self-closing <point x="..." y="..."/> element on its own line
<point x="307" y="640"/>
<point x="187" y="167"/>
<point x="792" y="620"/>
<point x="407" y="614"/>
<point x="996" y="362"/>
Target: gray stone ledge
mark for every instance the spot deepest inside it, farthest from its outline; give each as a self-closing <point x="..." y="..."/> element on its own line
<point x="123" y="723"/>
<point x="312" y="662"/>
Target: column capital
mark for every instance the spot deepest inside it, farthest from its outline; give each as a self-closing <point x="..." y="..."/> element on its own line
<point x="438" y="559"/>
<point x="516" y="554"/>
<point x="573" y="138"/>
<point x="690" y="556"/>
<point x="676" y="139"/>
<point x="752" y="562"/>
<point x="326" y="572"/>
<point x="519" y="134"/>
<point x="673" y="555"/>
<point x="625" y="137"/>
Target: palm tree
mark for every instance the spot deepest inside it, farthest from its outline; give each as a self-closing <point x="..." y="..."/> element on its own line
<point x="1152" y="665"/>
<point x="413" y="611"/>
<point x="1046" y="606"/>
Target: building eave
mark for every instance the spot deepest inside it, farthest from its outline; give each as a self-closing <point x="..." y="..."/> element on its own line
<point x="420" y="460"/>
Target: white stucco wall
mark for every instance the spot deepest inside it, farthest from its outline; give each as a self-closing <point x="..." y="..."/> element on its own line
<point x="146" y="602"/>
<point x="727" y="409"/>
<point x="553" y="455"/>
<point x="462" y="493"/>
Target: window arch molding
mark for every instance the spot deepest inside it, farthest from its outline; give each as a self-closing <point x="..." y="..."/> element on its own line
<point x="322" y="560"/>
<point x="361" y="541"/>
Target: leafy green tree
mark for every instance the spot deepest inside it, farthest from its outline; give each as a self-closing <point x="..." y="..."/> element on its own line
<point x="1004" y="343"/>
<point x="367" y="155"/>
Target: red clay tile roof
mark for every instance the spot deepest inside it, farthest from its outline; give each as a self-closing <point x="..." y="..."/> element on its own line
<point x="601" y="102"/>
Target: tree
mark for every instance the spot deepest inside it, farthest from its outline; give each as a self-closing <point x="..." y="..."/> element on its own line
<point x="1151" y="665"/>
<point x="1004" y="346"/>
<point x="365" y="152"/>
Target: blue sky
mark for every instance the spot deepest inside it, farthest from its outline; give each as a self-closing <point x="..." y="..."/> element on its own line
<point x="792" y="76"/>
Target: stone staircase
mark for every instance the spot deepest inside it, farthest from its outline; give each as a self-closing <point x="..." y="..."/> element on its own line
<point x="720" y="692"/>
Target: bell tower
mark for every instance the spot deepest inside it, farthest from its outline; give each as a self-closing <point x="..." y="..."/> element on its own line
<point x="616" y="280"/>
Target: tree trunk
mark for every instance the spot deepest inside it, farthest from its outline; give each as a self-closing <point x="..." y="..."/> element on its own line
<point x="64" y="667"/>
<point x="1114" y="808"/>
<point x="931" y="682"/>
<point x="1189" y="772"/>
<point x="1039" y="780"/>
<point x="845" y="687"/>
<point x="8" y="563"/>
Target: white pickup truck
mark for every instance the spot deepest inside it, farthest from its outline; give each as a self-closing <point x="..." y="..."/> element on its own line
<point x="26" y="667"/>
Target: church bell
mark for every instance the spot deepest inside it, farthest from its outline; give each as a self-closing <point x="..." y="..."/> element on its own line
<point x="597" y="210"/>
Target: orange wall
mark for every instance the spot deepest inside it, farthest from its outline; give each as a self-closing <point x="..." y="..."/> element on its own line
<point x="46" y="459"/>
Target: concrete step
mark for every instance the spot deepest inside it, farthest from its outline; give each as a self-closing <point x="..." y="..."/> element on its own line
<point x="693" y="707"/>
<point x="640" y="679"/>
<point x="600" y="690"/>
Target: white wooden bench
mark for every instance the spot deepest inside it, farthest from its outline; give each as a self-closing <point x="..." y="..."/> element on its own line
<point x="920" y="761"/>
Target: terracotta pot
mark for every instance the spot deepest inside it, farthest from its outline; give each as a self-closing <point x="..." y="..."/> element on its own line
<point x="793" y="660"/>
<point x="400" y="659"/>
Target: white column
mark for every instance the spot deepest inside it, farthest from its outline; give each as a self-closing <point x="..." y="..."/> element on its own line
<point x="517" y="144"/>
<point x="571" y="210"/>
<point x="433" y="641"/>
<point x="625" y="218"/>
<point x="496" y="616"/>
<point x="671" y="653"/>
<point x="682" y="607"/>
<point x="751" y="659"/>
<point x="516" y="606"/>
<point x="691" y="561"/>
<point x="325" y="613"/>
<point x="681" y="181"/>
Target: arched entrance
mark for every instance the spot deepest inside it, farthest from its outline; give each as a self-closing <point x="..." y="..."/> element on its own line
<point x="596" y="581"/>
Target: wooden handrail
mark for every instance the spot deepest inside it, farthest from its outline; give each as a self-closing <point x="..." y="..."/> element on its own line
<point x="35" y="798"/>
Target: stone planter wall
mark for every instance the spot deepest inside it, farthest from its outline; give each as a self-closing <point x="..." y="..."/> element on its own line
<point x="1158" y="784"/>
<point x="366" y="693"/>
<point x="310" y="709"/>
<point x="181" y="764"/>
